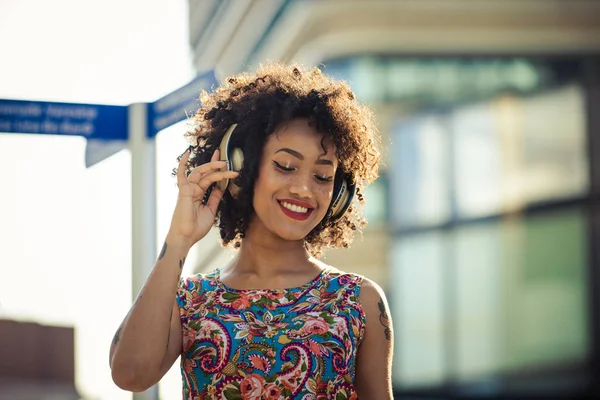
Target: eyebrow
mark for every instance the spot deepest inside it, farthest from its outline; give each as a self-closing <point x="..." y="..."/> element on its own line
<point x="299" y="156"/>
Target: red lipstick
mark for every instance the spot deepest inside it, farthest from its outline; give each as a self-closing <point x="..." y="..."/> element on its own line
<point x="300" y="216"/>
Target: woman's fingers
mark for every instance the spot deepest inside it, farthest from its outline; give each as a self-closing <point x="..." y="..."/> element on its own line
<point x="181" y="178"/>
<point x="198" y="172"/>
<point x="215" y="176"/>
<point x="213" y="200"/>
<point x="216" y="155"/>
<point x="204" y="176"/>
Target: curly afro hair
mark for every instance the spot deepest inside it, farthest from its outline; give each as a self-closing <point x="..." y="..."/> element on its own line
<point x="262" y="102"/>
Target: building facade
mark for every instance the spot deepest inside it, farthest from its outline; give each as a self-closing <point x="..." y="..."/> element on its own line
<point x="485" y="225"/>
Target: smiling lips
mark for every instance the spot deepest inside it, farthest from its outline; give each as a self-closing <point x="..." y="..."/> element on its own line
<point x="295" y="209"/>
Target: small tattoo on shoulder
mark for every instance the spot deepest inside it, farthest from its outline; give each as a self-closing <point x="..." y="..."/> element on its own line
<point x="163" y="251"/>
<point x="384" y="320"/>
<point x="181" y="262"/>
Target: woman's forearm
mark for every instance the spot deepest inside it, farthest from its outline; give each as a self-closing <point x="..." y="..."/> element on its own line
<point x="140" y="343"/>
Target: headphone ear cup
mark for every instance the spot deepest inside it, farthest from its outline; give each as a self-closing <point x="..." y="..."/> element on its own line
<point x="343" y="193"/>
<point x="236" y="159"/>
<point x="236" y="162"/>
<point x="232" y="155"/>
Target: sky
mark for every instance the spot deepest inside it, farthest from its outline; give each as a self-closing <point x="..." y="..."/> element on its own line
<point x="65" y="232"/>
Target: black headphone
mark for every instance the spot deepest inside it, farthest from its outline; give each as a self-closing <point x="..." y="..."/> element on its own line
<point x="343" y="186"/>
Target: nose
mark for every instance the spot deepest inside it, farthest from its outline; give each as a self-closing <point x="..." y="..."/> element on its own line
<point x="301" y="187"/>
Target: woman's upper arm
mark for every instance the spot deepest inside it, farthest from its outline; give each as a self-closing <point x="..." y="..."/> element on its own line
<point x="374" y="359"/>
<point x="174" y="342"/>
<point x="175" y="338"/>
<point x="173" y="346"/>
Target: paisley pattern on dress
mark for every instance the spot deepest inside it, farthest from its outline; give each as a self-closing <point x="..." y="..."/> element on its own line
<point x="297" y="343"/>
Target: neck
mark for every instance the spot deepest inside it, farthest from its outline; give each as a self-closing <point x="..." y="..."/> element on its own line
<point x="266" y="255"/>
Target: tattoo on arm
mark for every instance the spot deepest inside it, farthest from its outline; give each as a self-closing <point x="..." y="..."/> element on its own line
<point x="384" y="319"/>
<point x="117" y="334"/>
<point x="162" y="254"/>
<point x="163" y="251"/>
<point x="134" y="303"/>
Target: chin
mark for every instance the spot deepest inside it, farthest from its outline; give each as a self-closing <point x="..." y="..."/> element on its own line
<point x="292" y="233"/>
<point x="292" y="236"/>
<point x="289" y="229"/>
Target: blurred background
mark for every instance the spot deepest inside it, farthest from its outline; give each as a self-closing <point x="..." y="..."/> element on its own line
<point x="484" y="227"/>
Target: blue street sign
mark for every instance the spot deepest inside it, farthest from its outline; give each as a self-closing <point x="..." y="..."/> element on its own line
<point x="89" y="120"/>
<point x="105" y="126"/>
<point x="177" y="105"/>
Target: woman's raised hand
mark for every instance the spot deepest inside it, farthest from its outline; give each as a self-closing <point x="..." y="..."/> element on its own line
<point x="192" y="219"/>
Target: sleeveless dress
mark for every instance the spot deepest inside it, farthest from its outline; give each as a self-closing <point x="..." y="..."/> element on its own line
<point x="297" y="343"/>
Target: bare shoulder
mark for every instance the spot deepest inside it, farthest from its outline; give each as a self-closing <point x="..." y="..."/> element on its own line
<point x="371" y="292"/>
<point x="374" y="303"/>
<point x="374" y="361"/>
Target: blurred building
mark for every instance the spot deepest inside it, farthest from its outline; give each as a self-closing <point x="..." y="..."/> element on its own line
<point x="485" y="225"/>
<point x="36" y="362"/>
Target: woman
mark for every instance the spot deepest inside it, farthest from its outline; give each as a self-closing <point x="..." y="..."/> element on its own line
<point x="274" y="161"/>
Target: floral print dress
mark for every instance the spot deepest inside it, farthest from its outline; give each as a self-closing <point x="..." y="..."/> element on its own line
<point x="297" y="343"/>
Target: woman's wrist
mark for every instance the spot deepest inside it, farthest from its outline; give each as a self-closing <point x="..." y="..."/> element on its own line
<point x="179" y="244"/>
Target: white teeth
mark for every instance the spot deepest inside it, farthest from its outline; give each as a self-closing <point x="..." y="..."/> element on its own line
<point x="294" y="208"/>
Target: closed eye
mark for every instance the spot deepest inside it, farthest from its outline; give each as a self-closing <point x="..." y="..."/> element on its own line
<point x="323" y="178"/>
<point x="283" y="168"/>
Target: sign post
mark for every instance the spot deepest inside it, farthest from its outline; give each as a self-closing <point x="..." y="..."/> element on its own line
<point x="172" y="108"/>
<point x="143" y="208"/>
<point x="109" y="129"/>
